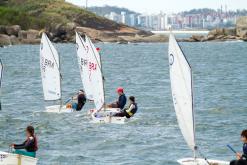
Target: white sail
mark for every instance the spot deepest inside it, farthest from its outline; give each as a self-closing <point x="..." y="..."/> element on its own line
<point x="182" y="94"/>
<point x="95" y="76"/>
<point x="1" y="72"/>
<point x="50" y="69"/>
<point x="84" y="56"/>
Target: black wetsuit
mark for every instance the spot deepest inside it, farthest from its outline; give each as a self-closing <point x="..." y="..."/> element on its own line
<point x="243" y="160"/>
<point x="121" y="101"/>
<point x="81" y="101"/>
<point x="30" y="145"/>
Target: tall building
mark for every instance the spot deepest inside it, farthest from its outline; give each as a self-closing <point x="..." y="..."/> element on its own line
<point x="123" y="17"/>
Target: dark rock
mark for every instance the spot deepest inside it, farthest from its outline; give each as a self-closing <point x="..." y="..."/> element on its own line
<point x="13" y="30"/>
<point x="3" y="29"/>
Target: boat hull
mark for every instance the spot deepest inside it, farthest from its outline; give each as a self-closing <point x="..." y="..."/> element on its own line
<point x="104" y="111"/>
<point x="105" y="116"/>
<point x="14" y="159"/>
<point x="200" y="161"/>
<point x="58" y="109"/>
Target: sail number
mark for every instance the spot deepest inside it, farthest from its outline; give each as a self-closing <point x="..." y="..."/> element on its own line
<point x="46" y="63"/>
<point x="171" y="59"/>
<point x="91" y="65"/>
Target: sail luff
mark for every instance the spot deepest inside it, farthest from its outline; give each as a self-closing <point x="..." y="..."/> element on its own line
<point x="182" y="91"/>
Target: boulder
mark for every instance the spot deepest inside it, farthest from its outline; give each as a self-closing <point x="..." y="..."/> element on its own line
<point x="32" y="34"/>
<point x="241" y="27"/>
<point x="210" y="37"/>
<point x="197" y="37"/>
<point x="29" y="34"/>
<point x="230" y="31"/>
<point x="4" y="39"/>
<point x="14" y="40"/>
<point x="13" y="30"/>
<point x="216" y="32"/>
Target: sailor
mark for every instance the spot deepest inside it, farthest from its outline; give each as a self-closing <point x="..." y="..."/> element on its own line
<point x="242" y="157"/>
<point x="29" y="146"/>
<point x="78" y="101"/>
<point x="120" y="103"/>
<point x="130" y="111"/>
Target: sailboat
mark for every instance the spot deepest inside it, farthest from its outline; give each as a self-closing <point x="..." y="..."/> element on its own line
<point x="182" y="94"/>
<point x="51" y="76"/>
<point x="91" y="71"/>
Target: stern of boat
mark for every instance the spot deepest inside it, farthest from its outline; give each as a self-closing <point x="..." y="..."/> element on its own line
<point x="200" y="161"/>
<point x="14" y="159"/>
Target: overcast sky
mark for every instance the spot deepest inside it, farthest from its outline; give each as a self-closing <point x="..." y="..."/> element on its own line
<point x="155" y="6"/>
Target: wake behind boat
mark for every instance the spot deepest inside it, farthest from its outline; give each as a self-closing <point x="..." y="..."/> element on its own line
<point x="90" y="65"/>
<point x="182" y="94"/>
<point x="51" y="76"/>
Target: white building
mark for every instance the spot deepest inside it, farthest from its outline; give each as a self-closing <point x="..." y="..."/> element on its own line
<point x="123" y="17"/>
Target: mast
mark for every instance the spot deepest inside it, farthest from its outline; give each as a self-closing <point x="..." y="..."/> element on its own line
<point x="103" y="78"/>
<point x="60" y="75"/>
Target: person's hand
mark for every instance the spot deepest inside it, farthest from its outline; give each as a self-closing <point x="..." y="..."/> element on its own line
<point x="12" y="145"/>
<point x="238" y="155"/>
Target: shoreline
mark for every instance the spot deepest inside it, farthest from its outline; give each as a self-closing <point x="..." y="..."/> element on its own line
<point x="182" y="32"/>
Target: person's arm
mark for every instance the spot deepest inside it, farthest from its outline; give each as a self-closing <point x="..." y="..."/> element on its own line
<point x="130" y="108"/>
<point x="26" y="144"/>
<point x="19" y="146"/>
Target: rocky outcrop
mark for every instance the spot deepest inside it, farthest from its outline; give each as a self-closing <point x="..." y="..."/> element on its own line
<point x="241" y="27"/>
<point x="223" y="34"/>
<point x="66" y="33"/>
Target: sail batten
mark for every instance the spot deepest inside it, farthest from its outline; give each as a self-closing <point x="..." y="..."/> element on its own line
<point x="50" y="70"/>
<point x="182" y="91"/>
<point x="91" y="73"/>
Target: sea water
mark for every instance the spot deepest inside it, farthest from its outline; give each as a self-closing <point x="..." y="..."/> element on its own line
<point x="153" y="136"/>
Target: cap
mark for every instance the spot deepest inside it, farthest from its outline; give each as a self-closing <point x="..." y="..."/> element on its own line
<point x="120" y="89"/>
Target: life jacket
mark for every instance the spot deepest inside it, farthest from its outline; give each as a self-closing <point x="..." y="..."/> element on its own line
<point x="133" y="111"/>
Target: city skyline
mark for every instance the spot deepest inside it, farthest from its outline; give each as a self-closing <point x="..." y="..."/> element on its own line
<point x="155" y="6"/>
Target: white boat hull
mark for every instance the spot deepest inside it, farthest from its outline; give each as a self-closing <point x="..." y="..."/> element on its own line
<point x="104" y="111"/>
<point x="105" y="116"/>
<point x="200" y="161"/>
<point x="14" y="159"/>
<point x="58" y="109"/>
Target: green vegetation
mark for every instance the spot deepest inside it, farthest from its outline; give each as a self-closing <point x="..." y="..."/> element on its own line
<point x="39" y="14"/>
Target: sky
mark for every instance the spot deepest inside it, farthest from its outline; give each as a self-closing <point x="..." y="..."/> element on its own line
<point x="168" y="6"/>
